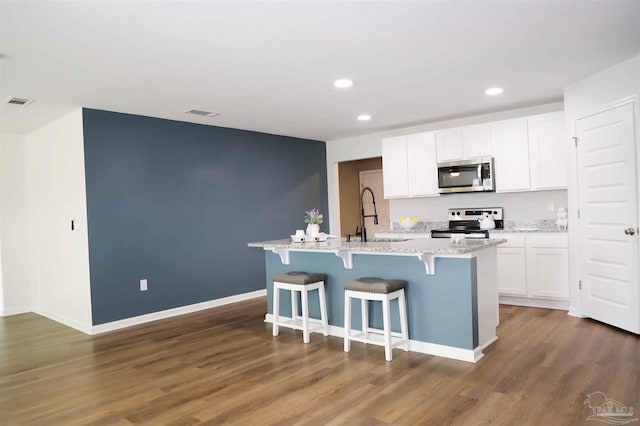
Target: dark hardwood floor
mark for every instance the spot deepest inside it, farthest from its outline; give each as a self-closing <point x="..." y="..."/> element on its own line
<point x="222" y="366"/>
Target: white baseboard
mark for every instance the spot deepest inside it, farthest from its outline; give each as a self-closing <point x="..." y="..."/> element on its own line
<point x="574" y="313"/>
<point x="534" y="303"/>
<point x="154" y="316"/>
<point x="16" y="311"/>
<point x="85" y="328"/>
<point x="468" y="355"/>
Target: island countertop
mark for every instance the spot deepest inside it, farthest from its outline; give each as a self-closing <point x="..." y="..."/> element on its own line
<point x="434" y="246"/>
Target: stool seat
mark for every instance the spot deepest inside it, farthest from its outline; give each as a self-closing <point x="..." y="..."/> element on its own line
<point x="383" y="290"/>
<point x="300" y="282"/>
<point x="300" y="278"/>
<point x="375" y="285"/>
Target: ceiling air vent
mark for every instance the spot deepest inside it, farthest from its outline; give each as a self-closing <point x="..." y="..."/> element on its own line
<point x="202" y="113"/>
<point x="19" y="101"/>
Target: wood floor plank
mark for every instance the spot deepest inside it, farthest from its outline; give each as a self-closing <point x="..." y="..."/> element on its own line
<point x="222" y="366"/>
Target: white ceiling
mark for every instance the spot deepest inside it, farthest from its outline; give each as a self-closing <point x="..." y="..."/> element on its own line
<point x="269" y="66"/>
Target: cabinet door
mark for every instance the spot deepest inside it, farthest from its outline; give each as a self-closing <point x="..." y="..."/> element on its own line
<point x="394" y="167"/>
<point x="510" y="145"/>
<point x="549" y="150"/>
<point x="548" y="266"/>
<point x="476" y="141"/>
<point x="511" y="271"/>
<point x="421" y="158"/>
<point x="449" y="144"/>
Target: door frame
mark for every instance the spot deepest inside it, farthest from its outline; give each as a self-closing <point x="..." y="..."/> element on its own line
<point x="575" y="272"/>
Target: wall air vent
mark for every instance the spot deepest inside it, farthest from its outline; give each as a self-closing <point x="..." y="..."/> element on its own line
<point x="19" y="101"/>
<point x="202" y="113"/>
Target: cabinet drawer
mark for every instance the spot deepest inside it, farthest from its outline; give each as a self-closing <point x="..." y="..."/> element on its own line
<point x="548" y="241"/>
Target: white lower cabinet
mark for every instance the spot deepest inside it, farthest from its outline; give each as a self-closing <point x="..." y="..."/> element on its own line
<point x="533" y="270"/>
<point x="511" y="270"/>
<point x="548" y="266"/>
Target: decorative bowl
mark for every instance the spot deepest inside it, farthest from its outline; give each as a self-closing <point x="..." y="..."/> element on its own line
<point x="408" y="222"/>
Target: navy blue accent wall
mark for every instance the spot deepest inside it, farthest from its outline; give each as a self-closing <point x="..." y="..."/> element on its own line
<point x="176" y="203"/>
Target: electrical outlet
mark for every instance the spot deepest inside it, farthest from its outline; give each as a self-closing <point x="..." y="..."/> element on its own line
<point x="551" y="207"/>
<point x="143" y="285"/>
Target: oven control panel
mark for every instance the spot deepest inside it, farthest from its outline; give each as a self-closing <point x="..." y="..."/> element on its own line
<point x="457" y="215"/>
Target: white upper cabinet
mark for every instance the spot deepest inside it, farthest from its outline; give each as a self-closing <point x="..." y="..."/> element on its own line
<point x="422" y="162"/>
<point x="510" y="146"/>
<point x="530" y="154"/>
<point x="476" y="141"/>
<point x="464" y="142"/>
<point x="449" y="144"/>
<point x="549" y="150"/>
<point x="409" y="166"/>
<point x="394" y="167"/>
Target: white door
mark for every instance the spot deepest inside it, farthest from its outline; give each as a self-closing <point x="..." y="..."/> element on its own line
<point x="373" y="179"/>
<point x="607" y="192"/>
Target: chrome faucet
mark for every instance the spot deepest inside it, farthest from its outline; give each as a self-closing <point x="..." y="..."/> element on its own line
<point x="363" y="216"/>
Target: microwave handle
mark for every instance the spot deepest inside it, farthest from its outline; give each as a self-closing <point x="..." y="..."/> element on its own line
<point x="480" y="172"/>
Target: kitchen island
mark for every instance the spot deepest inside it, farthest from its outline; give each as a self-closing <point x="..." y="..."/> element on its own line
<point x="452" y="297"/>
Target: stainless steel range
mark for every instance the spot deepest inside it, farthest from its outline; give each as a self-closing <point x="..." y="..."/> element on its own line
<point x="465" y="222"/>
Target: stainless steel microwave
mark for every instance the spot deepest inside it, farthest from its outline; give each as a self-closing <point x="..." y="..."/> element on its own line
<point x="472" y="175"/>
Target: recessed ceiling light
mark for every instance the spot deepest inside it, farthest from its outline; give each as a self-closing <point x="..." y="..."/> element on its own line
<point x="493" y="91"/>
<point x="364" y="117"/>
<point x="343" y="83"/>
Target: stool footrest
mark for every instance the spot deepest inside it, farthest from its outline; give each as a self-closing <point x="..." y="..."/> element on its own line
<point x="359" y="337"/>
<point x="296" y="323"/>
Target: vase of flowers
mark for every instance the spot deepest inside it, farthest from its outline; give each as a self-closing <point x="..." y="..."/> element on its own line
<point x="313" y="219"/>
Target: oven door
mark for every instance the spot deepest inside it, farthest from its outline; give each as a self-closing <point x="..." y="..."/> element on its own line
<point x="475" y="175"/>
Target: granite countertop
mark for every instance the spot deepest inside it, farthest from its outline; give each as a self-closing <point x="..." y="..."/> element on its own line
<point x="528" y="230"/>
<point x="510" y="226"/>
<point x="440" y="246"/>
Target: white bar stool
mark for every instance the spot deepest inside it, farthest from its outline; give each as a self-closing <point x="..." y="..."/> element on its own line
<point x="367" y="289"/>
<point x="302" y="282"/>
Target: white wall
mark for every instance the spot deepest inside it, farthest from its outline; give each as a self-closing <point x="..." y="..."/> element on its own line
<point x="56" y="194"/>
<point x="517" y="206"/>
<point x="369" y="145"/>
<point x="582" y="98"/>
<point x="15" y="289"/>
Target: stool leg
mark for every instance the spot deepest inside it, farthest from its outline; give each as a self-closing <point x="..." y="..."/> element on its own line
<point x="294" y="305"/>
<point x="347" y="322"/>
<point x="304" y="295"/>
<point x="402" y="305"/>
<point x="364" y="310"/>
<point x="323" y="309"/>
<point x="276" y="310"/>
<point x="386" y="318"/>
